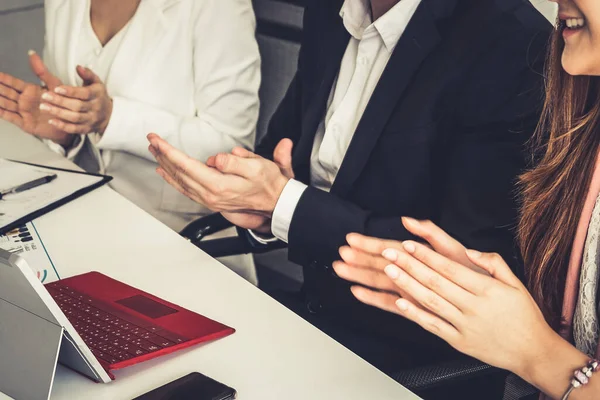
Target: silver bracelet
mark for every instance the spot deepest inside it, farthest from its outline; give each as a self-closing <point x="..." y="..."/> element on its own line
<point x="581" y="377"/>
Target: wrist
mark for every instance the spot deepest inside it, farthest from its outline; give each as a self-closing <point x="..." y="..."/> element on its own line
<point x="104" y="124"/>
<point x="279" y="185"/>
<point x="550" y="363"/>
<point x="66" y="141"/>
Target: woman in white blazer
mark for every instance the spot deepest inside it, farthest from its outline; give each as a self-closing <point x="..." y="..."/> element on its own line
<point x="120" y="69"/>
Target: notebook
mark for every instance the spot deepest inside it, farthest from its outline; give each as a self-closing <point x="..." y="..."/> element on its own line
<point x="18" y="208"/>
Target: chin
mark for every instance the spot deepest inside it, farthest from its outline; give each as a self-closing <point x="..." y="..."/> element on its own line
<point x="573" y="66"/>
<point x="577" y="66"/>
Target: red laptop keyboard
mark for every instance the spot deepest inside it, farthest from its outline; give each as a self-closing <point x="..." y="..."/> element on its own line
<point x="112" y="335"/>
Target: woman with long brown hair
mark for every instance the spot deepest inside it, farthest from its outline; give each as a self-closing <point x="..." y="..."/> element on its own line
<point x="473" y="300"/>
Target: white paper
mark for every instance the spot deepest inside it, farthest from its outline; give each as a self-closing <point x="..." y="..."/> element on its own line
<point x="13" y="174"/>
<point x="16" y="206"/>
<point x="26" y="242"/>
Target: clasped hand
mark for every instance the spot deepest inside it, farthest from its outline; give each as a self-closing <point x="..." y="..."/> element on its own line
<point x="55" y="111"/>
<point x="79" y="110"/>
<point x="241" y="185"/>
<point x="490" y="316"/>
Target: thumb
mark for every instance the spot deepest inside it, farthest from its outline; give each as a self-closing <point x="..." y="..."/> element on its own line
<point x="88" y="76"/>
<point x="39" y="68"/>
<point x="282" y="155"/>
<point x="494" y="265"/>
<point x="242" y="152"/>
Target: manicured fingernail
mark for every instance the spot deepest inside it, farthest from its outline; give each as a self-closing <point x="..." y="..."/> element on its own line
<point x="473" y="253"/>
<point x="411" y="221"/>
<point x="45" y="107"/>
<point x="392" y="271"/>
<point x="409" y="247"/>
<point x="60" y="90"/>
<point x="402" y="304"/>
<point x="390" y="254"/>
<point x="31" y="52"/>
<point x="47" y="96"/>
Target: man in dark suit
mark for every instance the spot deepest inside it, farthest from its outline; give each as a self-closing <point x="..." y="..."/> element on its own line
<point x="399" y="107"/>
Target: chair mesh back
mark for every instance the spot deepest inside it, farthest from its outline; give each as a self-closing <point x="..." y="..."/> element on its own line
<point x="430" y="376"/>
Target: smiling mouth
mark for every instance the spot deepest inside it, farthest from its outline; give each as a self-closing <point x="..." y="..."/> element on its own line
<point x="571" y="24"/>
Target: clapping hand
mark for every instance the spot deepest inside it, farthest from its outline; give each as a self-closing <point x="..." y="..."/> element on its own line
<point x="79" y="110"/>
<point x="363" y="262"/>
<point x="20" y="103"/>
<point x="241" y="185"/>
<point x="490" y="316"/>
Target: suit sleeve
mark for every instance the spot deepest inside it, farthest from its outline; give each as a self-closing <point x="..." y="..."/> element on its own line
<point x="481" y="156"/>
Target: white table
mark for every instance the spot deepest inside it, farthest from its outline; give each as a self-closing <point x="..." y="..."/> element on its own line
<point x="273" y="355"/>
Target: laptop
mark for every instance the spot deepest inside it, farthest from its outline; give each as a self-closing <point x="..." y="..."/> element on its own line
<point x="90" y="323"/>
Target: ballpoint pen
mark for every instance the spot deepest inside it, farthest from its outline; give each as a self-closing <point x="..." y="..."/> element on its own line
<point x="28" y="185"/>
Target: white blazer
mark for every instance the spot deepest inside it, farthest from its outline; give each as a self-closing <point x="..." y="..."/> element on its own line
<point x="188" y="70"/>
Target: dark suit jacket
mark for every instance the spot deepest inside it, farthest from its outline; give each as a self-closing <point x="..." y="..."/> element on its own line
<point x="442" y="137"/>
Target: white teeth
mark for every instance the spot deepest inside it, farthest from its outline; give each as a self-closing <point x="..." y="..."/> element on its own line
<point x="575" y="23"/>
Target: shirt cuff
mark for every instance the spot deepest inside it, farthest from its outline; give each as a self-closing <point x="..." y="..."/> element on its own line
<point x="285" y="208"/>
<point x="262" y="239"/>
<point x="69" y="153"/>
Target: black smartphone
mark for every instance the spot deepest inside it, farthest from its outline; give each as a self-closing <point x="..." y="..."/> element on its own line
<point x="194" y="386"/>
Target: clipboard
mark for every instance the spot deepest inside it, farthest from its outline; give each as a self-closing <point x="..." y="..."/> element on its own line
<point x="68" y="197"/>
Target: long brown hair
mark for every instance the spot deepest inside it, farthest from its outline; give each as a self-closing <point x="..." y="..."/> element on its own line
<point x="554" y="191"/>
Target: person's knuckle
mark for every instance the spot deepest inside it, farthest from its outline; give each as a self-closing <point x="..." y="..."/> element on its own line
<point x="224" y="161"/>
<point x="488" y="290"/>
<point x="495" y="257"/>
<point x="433" y="326"/>
<point x="433" y="282"/>
<point x="255" y="169"/>
<point x="181" y="169"/>
<point x="181" y="182"/>
<point x="210" y="200"/>
<point x="432" y="302"/>
<point x="448" y="269"/>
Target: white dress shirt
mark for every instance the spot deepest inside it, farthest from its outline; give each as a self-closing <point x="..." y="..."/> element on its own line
<point x="187" y="70"/>
<point x="367" y="55"/>
<point x="92" y="54"/>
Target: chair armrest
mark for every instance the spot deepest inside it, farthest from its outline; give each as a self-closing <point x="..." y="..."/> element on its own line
<point x="444" y="373"/>
<point x="205" y="226"/>
<point x="243" y="243"/>
<point x="233" y="246"/>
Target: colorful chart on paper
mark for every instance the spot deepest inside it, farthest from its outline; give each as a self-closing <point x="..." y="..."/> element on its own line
<point x="26" y="242"/>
